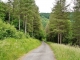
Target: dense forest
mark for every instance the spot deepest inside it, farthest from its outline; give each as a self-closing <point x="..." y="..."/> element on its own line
<point x="23" y="27"/>
<point x="61" y="25"/>
<point x="20" y="27"/>
<point x="46" y="15"/>
<point x="44" y="19"/>
<point x="64" y="26"/>
<point x="23" y="15"/>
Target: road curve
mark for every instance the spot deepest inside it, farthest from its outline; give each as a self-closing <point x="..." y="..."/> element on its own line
<point x="41" y="53"/>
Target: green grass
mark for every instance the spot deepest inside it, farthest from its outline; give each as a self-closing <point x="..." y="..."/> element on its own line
<point x="12" y="49"/>
<point x="64" y="52"/>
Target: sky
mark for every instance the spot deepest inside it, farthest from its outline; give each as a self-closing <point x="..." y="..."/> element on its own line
<point x="47" y="5"/>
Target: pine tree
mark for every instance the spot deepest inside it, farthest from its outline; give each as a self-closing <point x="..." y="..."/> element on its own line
<point x="57" y="21"/>
<point x="76" y="21"/>
<point x="17" y="11"/>
<point x="26" y="12"/>
<point x="9" y="9"/>
<point x="2" y="10"/>
<point x="37" y="24"/>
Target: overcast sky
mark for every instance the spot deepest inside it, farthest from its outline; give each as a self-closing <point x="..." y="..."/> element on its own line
<point x="46" y="5"/>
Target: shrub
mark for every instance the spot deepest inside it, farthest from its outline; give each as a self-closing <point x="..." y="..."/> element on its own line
<point x="12" y="49"/>
<point x="7" y="30"/>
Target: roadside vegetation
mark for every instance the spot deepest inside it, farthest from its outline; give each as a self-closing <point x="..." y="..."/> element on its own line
<point x="12" y="49"/>
<point x="65" y="52"/>
<point x="19" y="28"/>
<point x="20" y="22"/>
<point x="64" y="25"/>
<point x="7" y="30"/>
<point x="14" y="43"/>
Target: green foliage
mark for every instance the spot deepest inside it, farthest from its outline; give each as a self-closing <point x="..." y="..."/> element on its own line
<point x="44" y="21"/>
<point x="2" y="10"/>
<point x="27" y="12"/>
<point x="69" y="33"/>
<point x="59" y="27"/>
<point x="24" y="15"/>
<point x="40" y="35"/>
<point x="7" y="30"/>
<point x="46" y="15"/>
<point x="12" y="49"/>
<point x="37" y="27"/>
<point x="64" y="52"/>
<point x="76" y="21"/>
<point x="16" y="24"/>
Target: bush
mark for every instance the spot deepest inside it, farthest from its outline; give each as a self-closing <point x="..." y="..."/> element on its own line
<point x="65" y="52"/>
<point x="12" y="49"/>
<point x="7" y="30"/>
<point x="19" y="35"/>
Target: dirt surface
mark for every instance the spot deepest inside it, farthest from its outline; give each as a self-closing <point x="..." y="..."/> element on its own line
<point x="41" y="53"/>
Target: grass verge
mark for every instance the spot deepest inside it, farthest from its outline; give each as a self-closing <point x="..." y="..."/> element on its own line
<point x="11" y="49"/>
<point x="64" y="52"/>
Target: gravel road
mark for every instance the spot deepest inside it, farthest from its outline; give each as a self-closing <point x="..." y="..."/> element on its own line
<point x="41" y="53"/>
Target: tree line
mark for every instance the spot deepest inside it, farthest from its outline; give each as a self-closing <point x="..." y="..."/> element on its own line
<point x="24" y="15"/>
<point x="64" y="26"/>
<point x="46" y="15"/>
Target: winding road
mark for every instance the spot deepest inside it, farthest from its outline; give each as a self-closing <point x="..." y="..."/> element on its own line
<point x="41" y="53"/>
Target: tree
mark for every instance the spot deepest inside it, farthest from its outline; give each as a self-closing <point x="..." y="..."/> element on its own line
<point x="9" y="9"/>
<point x="25" y="16"/>
<point x="2" y="10"/>
<point x="58" y="19"/>
<point x="37" y="28"/>
<point x="27" y="7"/>
<point x="17" y="10"/>
<point x="76" y="21"/>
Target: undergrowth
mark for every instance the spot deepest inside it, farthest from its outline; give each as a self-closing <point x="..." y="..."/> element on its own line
<point x="12" y="49"/>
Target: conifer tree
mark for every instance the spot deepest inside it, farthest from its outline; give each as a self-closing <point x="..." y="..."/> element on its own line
<point x="9" y="9"/>
<point x="17" y="11"/>
<point x="58" y="20"/>
<point x="37" y="30"/>
<point x="76" y="21"/>
<point x="26" y="12"/>
<point x="2" y="10"/>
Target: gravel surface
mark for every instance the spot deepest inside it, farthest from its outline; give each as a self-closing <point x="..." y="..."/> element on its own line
<point x="41" y="53"/>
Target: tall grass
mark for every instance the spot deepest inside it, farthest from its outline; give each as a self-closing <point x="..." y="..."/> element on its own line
<point x="63" y="52"/>
<point x="11" y="49"/>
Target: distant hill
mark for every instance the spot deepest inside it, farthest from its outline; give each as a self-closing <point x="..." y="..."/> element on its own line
<point x="46" y="15"/>
<point x="44" y="19"/>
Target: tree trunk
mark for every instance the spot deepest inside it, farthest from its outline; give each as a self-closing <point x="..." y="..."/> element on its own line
<point x="58" y="38"/>
<point x="79" y="40"/>
<point x="19" y="22"/>
<point x="32" y="28"/>
<point x="25" y="25"/>
<point x="9" y="17"/>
